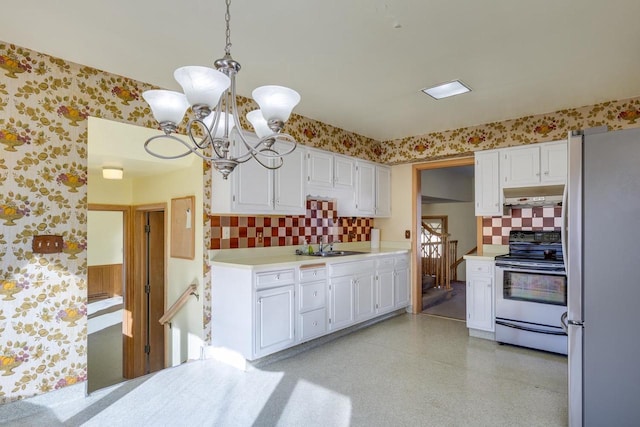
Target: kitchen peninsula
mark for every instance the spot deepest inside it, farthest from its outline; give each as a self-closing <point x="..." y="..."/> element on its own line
<point x="270" y="299"/>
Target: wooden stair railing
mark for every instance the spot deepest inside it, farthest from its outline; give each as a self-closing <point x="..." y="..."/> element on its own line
<point x="168" y="315"/>
<point x="454" y="266"/>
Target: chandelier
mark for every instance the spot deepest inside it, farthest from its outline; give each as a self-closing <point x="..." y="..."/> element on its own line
<point x="211" y="94"/>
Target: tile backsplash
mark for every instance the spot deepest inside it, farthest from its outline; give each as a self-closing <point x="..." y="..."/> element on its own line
<point x="495" y="230"/>
<point x="320" y="222"/>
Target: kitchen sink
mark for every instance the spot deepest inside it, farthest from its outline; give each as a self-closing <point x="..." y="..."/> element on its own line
<point x="334" y="253"/>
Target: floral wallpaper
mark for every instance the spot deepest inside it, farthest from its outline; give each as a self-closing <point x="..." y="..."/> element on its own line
<point x="616" y="115"/>
<point x="44" y="106"/>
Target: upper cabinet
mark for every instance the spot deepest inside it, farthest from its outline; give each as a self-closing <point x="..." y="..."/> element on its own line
<point x="253" y="189"/>
<point x="534" y="164"/>
<point x="361" y="188"/>
<point x="525" y="166"/>
<point x="488" y="194"/>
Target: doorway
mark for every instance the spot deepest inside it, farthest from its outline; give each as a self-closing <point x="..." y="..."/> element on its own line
<point x="442" y="205"/>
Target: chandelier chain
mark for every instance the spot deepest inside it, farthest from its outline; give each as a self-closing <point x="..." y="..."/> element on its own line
<point x="227" y="19"/>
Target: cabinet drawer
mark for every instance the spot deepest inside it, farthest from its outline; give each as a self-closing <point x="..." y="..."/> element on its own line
<point x="312" y="274"/>
<point x="479" y="267"/>
<point x="274" y="278"/>
<point x="348" y="268"/>
<point x="385" y="263"/>
<point x="312" y="296"/>
<point x="313" y="324"/>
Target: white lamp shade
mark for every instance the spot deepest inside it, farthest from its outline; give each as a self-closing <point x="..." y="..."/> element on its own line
<point x="202" y="85"/>
<point x="112" y="173"/>
<point x="166" y="105"/>
<point x="259" y="124"/>
<point x="219" y="131"/>
<point x="276" y="102"/>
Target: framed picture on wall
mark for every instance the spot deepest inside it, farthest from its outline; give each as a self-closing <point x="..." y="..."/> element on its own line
<point x="183" y="227"/>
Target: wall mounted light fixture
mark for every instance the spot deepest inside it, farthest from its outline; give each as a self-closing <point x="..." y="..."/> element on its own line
<point x="112" y="173"/>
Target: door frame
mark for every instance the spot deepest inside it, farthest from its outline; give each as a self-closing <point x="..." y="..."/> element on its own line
<point x="135" y="303"/>
<point x="416" y="216"/>
<point x="128" y="255"/>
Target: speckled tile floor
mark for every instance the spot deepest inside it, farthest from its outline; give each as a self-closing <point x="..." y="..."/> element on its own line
<point x="411" y="370"/>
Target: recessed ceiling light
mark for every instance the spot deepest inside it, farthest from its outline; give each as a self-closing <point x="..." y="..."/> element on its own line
<point x="446" y="90"/>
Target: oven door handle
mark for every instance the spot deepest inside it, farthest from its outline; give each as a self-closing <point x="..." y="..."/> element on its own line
<point x="559" y="272"/>
<point x="529" y="329"/>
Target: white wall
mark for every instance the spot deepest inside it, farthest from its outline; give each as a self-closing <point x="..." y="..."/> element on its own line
<point x="461" y="225"/>
<point x="109" y="191"/>
<point x="445" y="183"/>
<point x="105" y="234"/>
<point x="186" y="334"/>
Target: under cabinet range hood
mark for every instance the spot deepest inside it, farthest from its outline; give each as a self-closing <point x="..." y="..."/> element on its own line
<point x="522" y="197"/>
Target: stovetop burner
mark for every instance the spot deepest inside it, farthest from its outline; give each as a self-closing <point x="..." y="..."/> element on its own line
<point x="539" y="249"/>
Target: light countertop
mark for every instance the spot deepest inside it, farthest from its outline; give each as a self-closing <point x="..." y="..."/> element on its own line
<point x="284" y="256"/>
<point x="489" y="252"/>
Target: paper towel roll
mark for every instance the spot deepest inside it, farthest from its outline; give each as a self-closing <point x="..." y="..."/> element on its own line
<point x="375" y="238"/>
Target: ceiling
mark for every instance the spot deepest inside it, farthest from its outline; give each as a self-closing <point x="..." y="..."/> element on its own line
<point x="360" y="65"/>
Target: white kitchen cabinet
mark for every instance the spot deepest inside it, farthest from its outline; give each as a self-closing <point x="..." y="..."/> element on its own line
<point x="365" y="188"/>
<point x="480" y="295"/>
<point x="365" y="295"/>
<point x="257" y="312"/>
<point x="533" y="165"/>
<point x="385" y="281"/>
<point x="319" y="168"/>
<point x="401" y="281"/>
<point x="275" y="321"/>
<point x="553" y="162"/>
<point x="488" y="193"/>
<point x="383" y="191"/>
<point x="254" y="189"/>
<point x="340" y="302"/>
<point x="344" y="172"/>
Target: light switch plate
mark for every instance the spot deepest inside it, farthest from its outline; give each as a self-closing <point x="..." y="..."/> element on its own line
<point x="226" y="232"/>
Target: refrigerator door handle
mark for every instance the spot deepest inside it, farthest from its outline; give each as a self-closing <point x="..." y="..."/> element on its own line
<point x="563" y="323"/>
<point x="575" y="323"/>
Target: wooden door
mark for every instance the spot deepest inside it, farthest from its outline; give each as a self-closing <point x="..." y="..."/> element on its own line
<point x="155" y="290"/>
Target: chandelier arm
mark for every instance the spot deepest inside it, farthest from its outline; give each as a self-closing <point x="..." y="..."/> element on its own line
<point x="190" y="149"/>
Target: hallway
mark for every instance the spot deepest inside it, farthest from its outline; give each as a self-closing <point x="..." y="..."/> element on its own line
<point x="409" y="370"/>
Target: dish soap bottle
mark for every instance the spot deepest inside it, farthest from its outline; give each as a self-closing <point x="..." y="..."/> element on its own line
<point x="305" y="247"/>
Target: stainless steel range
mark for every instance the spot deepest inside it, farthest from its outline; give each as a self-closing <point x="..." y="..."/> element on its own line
<point x="531" y="291"/>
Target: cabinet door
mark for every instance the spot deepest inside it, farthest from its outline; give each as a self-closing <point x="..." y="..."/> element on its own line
<point x="480" y="303"/>
<point x="344" y="172"/>
<point x="487" y="183"/>
<point x="365" y="188"/>
<point x="385" y="295"/>
<point x="252" y="185"/>
<point x="274" y="320"/>
<point x="365" y="295"/>
<point x="289" y="181"/>
<point x="401" y="287"/>
<point x="383" y="191"/>
<point x="340" y="302"/>
<point x="320" y="168"/>
<point x="520" y="166"/>
<point x="553" y="162"/>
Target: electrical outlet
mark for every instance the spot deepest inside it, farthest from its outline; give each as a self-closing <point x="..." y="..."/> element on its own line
<point x="226" y="232"/>
<point x="407" y="234"/>
<point x="259" y="237"/>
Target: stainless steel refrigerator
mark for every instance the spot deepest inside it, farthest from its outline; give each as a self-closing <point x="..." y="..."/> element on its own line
<point x="603" y="271"/>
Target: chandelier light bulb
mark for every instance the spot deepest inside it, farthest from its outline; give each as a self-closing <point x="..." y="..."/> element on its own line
<point x="276" y="102"/>
<point x="259" y="124"/>
<point x="219" y="131"/>
<point x="166" y="105"/>
<point x="202" y="85"/>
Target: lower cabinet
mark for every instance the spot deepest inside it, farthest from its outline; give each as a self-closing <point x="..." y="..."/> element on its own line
<point x="257" y="313"/>
<point x="480" y="295"/>
<point x="275" y="321"/>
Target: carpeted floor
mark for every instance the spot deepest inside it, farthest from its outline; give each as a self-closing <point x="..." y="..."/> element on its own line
<point x="454" y="307"/>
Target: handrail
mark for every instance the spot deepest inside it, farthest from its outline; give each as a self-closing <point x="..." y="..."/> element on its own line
<point x="168" y="315"/>
<point x="459" y="260"/>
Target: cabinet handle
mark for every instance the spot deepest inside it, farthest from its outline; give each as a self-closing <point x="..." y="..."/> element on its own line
<point x="277" y="277"/>
<point x="259" y="300"/>
<point x="546" y="173"/>
<point x="489" y="285"/>
<point x="315" y="273"/>
<point x="315" y="323"/>
<point x="315" y="293"/>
